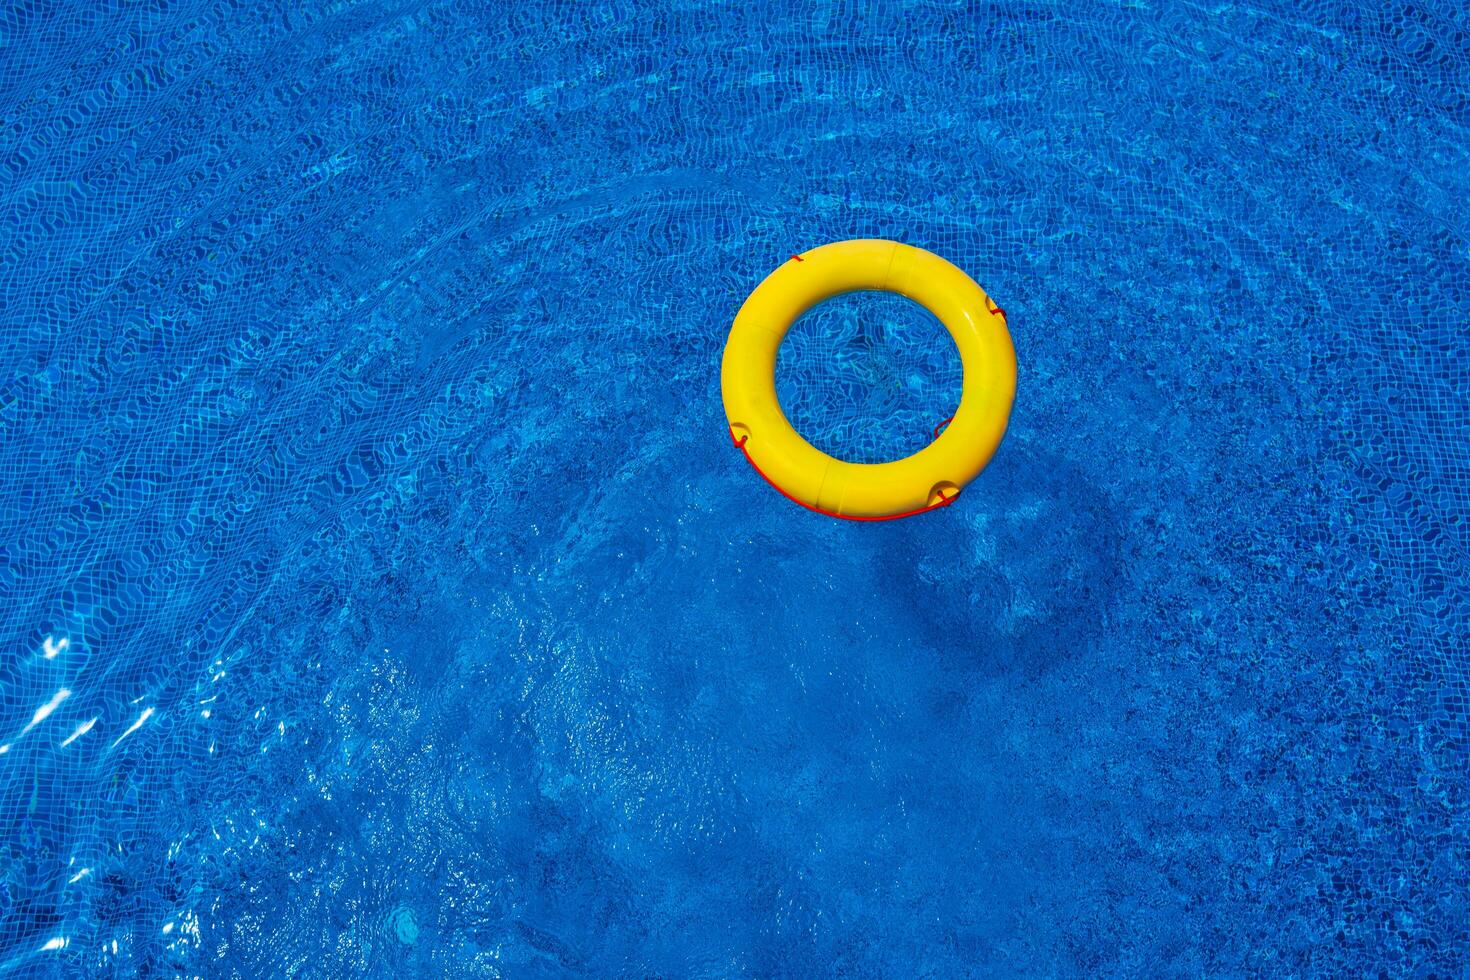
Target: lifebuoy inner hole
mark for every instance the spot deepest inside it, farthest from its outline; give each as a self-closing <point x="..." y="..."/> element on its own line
<point x="866" y="376"/>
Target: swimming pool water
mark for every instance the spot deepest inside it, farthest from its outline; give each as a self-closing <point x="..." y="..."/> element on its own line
<point x="382" y="596"/>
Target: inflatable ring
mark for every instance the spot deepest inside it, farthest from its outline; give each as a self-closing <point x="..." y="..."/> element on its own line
<point x="928" y="479"/>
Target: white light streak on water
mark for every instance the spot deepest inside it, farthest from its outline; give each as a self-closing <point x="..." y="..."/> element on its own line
<point x="44" y="710"/>
<point x="82" y="729"/>
<point x="147" y="713"/>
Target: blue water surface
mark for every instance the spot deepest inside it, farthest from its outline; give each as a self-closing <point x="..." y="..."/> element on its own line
<point x="380" y="593"/>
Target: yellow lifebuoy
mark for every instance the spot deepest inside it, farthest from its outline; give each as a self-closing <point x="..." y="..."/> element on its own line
<point x="933" y="476"/>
